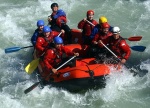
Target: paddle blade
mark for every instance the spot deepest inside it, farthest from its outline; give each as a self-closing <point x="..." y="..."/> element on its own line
<point x="13" y="49"/>
<point x="32" y="66"/>
<point x="135" y="38"/>
<point x="138" y="48"/>
<point x="31" y="88"/>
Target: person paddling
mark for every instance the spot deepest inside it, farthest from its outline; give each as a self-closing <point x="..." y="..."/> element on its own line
<point x="43" y="43"/>
<point x="53" y="57"/>
<point x="118" y="46"/>
<point x="87" y="27"/>
<point x="97" y="27"/>
<point x="58" y="21"/>
<point x="97" y="49"/>
<point x="38" y="32"/>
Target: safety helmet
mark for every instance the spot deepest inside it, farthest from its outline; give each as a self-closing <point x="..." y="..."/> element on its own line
<point x="90" y="12"/>
<point x="58" y="40"/>
<point x="102" y="19"/>
<point x="46" y="29"/>
<point x="116" y="30"/>
<point x="53" y="5"/>
<point x="40" y="23"/>
<point x="105" y="25"/>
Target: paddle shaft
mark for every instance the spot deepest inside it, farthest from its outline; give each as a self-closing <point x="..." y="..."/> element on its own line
<point x="14" y="49"/>
<point x="32" y="87"/>
<point x="142" y="49"/>
<point x="27" y="47"/>
<point x="37" y="83"/>
<point x="109" y="50"/>
<point x="59" y="34"/>
<point x="66" y="62"/>
<point x="90" y="23"/>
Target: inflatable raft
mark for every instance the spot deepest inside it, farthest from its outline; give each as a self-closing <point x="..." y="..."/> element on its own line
<point x="85" y="73"/>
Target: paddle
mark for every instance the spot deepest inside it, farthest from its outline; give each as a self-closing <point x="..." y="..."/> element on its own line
<point x="135" y="48"/>
<point x="34" y="63"/>
<point x="90" y="23"/>
<point x="132" y="38"/>
<point x="14" y="49"/>
<point x="135" y="38"/>
<point x="138" y="48"/>
<point x="141" y="48"/>
<point x="32" y="66"/>
<point x="109" y="50"/>
<point x="37" y="83"/>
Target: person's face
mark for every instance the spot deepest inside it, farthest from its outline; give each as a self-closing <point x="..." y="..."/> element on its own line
<point x="90" y="16"/>
<point x="47" y="34"/>
<point x="55" y="9"/>
<point x="116" y="36"/>
<point x="105" y="30"/>
<point x="58" y="46"/>
<point x="40" y="28"/>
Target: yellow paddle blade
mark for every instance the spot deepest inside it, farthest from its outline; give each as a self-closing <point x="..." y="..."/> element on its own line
<point x="32" y="66"/>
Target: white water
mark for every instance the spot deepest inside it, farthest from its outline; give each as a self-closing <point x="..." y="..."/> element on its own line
<point x="18" y="22"/>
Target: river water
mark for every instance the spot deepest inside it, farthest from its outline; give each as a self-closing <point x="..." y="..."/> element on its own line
<point x="17" y="23"/>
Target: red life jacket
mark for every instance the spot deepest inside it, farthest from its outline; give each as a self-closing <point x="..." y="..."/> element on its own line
<point x="61" y="20"/>
<point x="58" y="21"/>
<point x="43" y="43"/>
<point x="103" y="37"/>
<point x="53" y="57"/>
<point x="120" y="47"/>
<point x="86" y="27"/>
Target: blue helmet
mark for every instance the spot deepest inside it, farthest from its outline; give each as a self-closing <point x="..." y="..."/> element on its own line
<point x="40" y="23"/>
<point x="46" y="29"/>
<point x="58" y="40"/>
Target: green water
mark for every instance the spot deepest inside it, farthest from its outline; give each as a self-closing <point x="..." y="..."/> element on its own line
<point x="18" y="22"/>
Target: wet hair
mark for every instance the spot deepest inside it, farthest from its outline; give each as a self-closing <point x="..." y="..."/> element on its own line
<point x="53" y="5"/>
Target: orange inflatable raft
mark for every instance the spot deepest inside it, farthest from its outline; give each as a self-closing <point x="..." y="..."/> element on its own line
<point x="85" y="73"/>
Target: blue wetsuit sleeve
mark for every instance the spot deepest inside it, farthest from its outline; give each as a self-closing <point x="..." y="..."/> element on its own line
<point x="94" y="32"/>
<point x="59" y="13"/>
<point x="34" y="38"/>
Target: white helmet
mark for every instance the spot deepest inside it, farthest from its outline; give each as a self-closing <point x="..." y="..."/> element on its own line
<point x="116" y="30"/>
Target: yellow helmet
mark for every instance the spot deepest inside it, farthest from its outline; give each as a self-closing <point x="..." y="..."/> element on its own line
<point x="102" y="19"/>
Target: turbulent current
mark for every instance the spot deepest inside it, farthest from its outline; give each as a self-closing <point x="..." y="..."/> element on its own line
<point x="123" y="90"/>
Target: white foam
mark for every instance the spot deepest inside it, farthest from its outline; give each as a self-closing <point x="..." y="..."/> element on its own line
<point x="18" y="22"/>
<point x="8" y="102"/>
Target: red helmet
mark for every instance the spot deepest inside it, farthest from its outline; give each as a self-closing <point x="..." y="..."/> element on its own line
<point x="105" y="25"/>
<point x="90" y="12"/>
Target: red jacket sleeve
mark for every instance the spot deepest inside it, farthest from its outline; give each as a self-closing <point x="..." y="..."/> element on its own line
<point x="39" y="44"/>
<point x="67" y="51"/>
<point x="49" y="58"/>
<point x="125" y="48"/>
<point x="81" y="24"/>
<point x="60" y="20"/>
<point x="95" y="38"/>
<point x="94" y="22"/>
